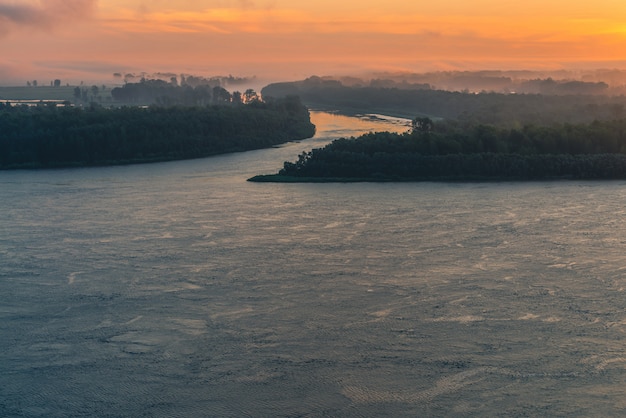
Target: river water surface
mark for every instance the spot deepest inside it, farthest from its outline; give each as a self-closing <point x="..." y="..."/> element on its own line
<point x="181" y="290"/>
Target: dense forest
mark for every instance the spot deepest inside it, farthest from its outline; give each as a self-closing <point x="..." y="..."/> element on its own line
<point x="51" y="136"/>
<point x="511" y="110"/>
<point x="451" y="151"/>
<point x="189" y="93"/>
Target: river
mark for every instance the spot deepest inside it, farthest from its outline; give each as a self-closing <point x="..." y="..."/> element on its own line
<point x="180" y="289"/>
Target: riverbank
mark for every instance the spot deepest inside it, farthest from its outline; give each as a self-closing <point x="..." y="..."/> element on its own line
<point x="475" y="153"/>
<point x="50" y="137"/>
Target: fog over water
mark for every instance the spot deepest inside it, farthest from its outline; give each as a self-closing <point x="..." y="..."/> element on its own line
<point x="181" y="290"/>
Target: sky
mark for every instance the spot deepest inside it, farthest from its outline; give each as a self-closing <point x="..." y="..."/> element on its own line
<point x="85" y="40"/>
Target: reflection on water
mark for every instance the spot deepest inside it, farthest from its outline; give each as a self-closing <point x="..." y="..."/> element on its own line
<point x="180" y="289"/>
<point x="335" y="125"/>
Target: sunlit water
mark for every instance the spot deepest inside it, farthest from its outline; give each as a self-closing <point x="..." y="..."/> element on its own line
<point x="180" y="289"/>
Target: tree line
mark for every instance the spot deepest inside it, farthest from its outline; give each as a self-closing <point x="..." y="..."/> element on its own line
<point x="156" y="91"/>
<point x="448" y="151"/>
<point x="51" y="136"/>
<point x="511" y="110"/>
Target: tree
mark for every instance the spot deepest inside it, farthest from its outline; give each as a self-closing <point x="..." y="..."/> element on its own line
<point x="57" y="83"/>
<point x="422" y="125"/>
<point x="202" y="95"/>
<point x="94" y="92"/>
<point x="221" y="95"/>
<point x="250" y="96"/>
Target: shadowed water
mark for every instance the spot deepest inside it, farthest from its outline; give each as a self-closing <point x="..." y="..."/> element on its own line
<point x="180" y="289"/>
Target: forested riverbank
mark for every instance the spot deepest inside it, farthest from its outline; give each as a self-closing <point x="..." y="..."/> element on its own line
<point x="452" y="152"/>
<point x="510" y="110"/>
<point x="50" y="136"/>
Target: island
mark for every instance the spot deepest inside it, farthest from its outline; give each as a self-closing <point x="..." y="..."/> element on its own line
<point x="451" y="151"/>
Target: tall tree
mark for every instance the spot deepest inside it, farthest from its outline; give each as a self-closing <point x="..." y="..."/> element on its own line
<point x="250" y="96"/>
<point x="94" y="92"/>
<point x="221" y="95"/>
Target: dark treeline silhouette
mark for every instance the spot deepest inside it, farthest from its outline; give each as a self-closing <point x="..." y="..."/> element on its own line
<point x="168" y="94"/>
<point x="487" y="108"/>
<point x="185" y="79"/>
<point x="449" y="151"/>
<point x="51" y="136"/>
<point x="539" y="82"/>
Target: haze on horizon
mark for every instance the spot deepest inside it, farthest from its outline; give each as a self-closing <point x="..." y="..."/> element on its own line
<point x="285" y="40"/>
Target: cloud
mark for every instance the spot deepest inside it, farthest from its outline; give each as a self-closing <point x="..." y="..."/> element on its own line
<point x="42" y="14"/>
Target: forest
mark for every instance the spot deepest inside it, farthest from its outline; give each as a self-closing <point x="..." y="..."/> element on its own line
<point x="190" y="91"/>
<point x="408" y="100"/>
<point x="54" y="136"/>
<point x="458" y="152"/>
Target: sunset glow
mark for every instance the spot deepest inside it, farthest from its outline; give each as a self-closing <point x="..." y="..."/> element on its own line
<point x="91" y="39"/>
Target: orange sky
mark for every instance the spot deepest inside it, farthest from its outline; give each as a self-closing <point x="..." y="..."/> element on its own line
<point x="280" y="39"/>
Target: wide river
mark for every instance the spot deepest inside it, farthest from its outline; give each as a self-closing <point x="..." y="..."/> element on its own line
<point x="181" y="290"/>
